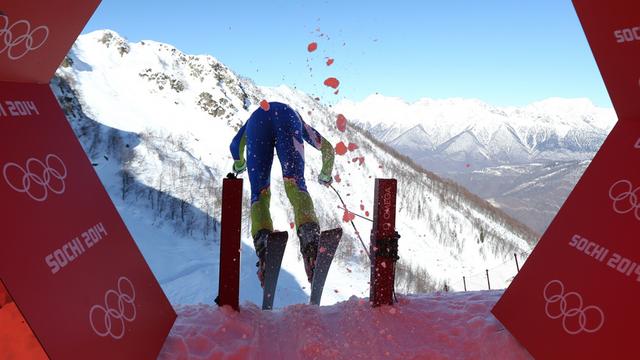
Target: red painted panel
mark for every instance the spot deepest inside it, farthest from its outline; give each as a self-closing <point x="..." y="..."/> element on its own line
<point x="576" y="296"/>
<point x="36" y="36"/>
<point x="67" y="258"/>
<point x="613" y="30"/>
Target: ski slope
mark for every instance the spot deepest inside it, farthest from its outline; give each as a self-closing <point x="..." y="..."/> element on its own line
<point x="166" y="118"/>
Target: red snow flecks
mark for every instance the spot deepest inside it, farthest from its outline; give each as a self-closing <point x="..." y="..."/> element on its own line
<point x="292" y="224"/>
<point x="329" y="61"/>
<point x="336" y="92"/>
<point x="322" y="249"/>
<point x="348" y="216"/>
<point x="366" y="213"/>
<point x="341" y="122"/>
<point x="337" y="178"/>
<point x="264" y="104"/>
<point x="362" y="207"/>
<point x="332" y="82"/>
<point x="341" y="148"/>
<point x="468" y="166"/>
<point x="354" y="159"/>
<point x="361" y="159"/>
<point x="352" y="146"/>
<point x="313" y="46"/>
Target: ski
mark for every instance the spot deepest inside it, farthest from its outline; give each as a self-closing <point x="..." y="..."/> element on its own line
<point x="327" y="247"/>
<point x="276" y="244"/>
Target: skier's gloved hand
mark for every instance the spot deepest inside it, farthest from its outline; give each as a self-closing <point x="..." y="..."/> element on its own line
<point x="324" y="179"/>
<point x="239" y="166"/>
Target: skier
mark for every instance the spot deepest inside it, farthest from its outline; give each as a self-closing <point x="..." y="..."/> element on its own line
<point x="282" y="128"/>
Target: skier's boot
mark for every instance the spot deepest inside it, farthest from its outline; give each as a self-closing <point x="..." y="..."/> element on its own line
<point x="309" y="235"/>
<point x="260" y="244"/>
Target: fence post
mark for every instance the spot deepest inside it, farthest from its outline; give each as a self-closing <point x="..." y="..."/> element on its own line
<point x="488" y="282"/>
<point x="464" y="282"/>
<point x="517" y="266"/>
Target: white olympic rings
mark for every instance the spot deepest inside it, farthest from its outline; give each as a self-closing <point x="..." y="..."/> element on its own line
<point x="625" y="198"/>
<point x="18" y="39"/>
<point x="568" y="313"/>
<point x="112" y="315"/>
<point x="30" y="175"/>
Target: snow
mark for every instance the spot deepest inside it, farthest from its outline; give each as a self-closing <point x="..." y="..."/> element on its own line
<point x="436" y="326"/>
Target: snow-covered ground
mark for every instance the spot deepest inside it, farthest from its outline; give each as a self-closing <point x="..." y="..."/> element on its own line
<point x="436" y="326"/>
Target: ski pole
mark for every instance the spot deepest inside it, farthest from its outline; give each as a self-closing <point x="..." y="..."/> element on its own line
<point x="360" y="216"/>
<point x="352" y="224"/>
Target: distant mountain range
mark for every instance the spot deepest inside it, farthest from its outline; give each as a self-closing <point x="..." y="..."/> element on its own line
<point x="524" y="160"/>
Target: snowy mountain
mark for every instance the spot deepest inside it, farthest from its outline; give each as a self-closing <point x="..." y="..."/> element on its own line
<point x="157" y="123"/>
<point x="477" y="145"/>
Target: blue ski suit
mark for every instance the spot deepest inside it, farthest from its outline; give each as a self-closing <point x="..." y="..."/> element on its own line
<point x="280" y="128"/>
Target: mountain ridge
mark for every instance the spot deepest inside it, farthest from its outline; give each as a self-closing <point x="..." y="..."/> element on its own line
<point x="471" y="142"/>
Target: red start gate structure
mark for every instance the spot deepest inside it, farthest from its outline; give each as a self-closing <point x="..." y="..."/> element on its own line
<point x="383" y="247"/>
<point x="576" y="296"/>
<point x="68" y="261"/>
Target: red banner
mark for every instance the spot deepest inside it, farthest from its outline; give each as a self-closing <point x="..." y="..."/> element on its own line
<point x="67" y="258"/>
<point x="36" y="36"/>
<point x="613" y="30"/>
<point x="576" y="295"/>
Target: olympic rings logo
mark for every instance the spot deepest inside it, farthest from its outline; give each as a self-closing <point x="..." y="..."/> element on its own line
<point x="18" y="39"/>
<point x="37" y="178"/>
<point x="625" y="198"/>
<point x="118" y="307"/>
<point x="569" y="307"/>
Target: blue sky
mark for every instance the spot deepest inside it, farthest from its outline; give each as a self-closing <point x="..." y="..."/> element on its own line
<point x="505" y="52"/>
